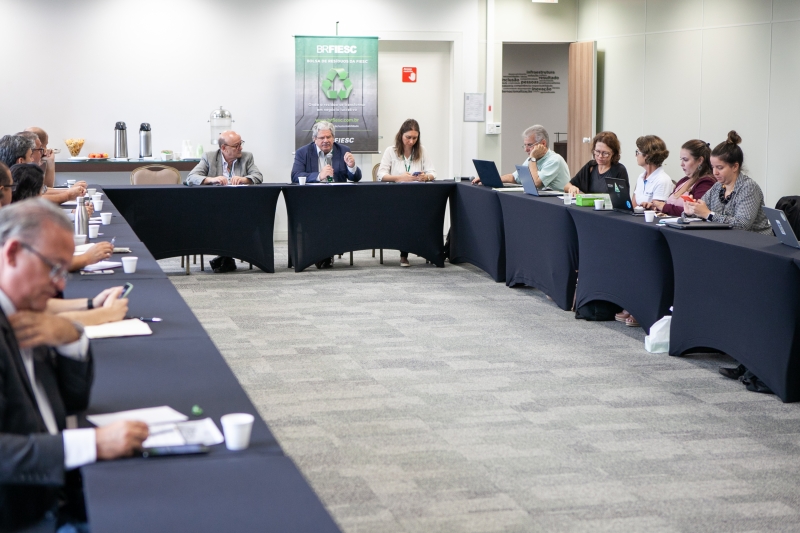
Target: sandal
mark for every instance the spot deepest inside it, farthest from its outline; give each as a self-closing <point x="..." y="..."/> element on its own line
<point x="622" y="317"/>
<point x="631" y="322"/>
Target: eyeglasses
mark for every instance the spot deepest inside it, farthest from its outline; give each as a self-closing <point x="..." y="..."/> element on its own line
<point x="58" y="272"/>
<point x="598" y="153"/>
<point x="530" y="145"/>
<point x="639" y="153"/>
<point x="237" y="145"/>
<point x="42" y="150"/>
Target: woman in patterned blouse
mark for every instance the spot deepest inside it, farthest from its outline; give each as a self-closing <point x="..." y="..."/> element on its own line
<point x="735" y="198"/>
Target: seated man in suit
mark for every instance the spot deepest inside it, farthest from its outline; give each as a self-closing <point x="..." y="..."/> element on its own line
<point x="325" y="160"/>
<point x="46" y="373"/>
<point x="227" y="166"/>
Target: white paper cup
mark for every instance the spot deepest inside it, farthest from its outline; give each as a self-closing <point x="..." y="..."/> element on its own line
<point x="129" y="264"/>
<point x="94" y="229"/>
<point x="79" y="239"/>
<point x="91" y="191"/>
<point x="237" y="428"/>
<point x="97" y="196"/>
<point x="600" y="204"/>
<point x="301" y="180"/>
<point x="98" y="205"/>
<point x="106" y="218"/>
<point x="567" y="199"/>
<point x="71" y="183"/>
<point x="638" y="209"/>
<point x="649" y="216"/>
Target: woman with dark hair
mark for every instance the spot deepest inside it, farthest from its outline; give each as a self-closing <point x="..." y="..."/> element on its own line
<point x="6" y="185"/>
<point x="653" y="183"/>
<point x="605" y="164"/>
<point x="696" y="165"/>
<point x="735" y="198"/>
<point x="406" y="160"/>
<point x="28" y="181"/>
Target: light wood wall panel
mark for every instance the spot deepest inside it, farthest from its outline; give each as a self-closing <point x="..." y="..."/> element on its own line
<point x="582" y="86"/>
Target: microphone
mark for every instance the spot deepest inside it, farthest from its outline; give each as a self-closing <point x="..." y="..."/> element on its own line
<point x="328" y="160"/>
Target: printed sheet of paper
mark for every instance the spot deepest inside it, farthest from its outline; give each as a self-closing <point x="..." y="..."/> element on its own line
<point x="132" y="327"/>
<point x="151" y="416"/>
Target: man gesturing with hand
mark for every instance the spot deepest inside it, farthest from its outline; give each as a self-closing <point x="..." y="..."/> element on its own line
<point x="46" y="374"/>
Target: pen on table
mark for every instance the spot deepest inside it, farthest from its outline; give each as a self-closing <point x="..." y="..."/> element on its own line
<point x="144" y="319"/>
<point x="113" y="240"/>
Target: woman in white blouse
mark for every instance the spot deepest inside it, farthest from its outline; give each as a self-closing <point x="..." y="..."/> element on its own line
<point x="406" y="160"/>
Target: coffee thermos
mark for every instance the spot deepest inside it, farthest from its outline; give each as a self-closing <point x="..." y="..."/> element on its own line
<point x="120" y="141"/>
<point x="145" y="141"/>
<point x="81" y="217"/>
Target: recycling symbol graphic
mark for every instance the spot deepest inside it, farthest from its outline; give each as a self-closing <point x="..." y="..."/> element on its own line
<point x="327" y="84"/>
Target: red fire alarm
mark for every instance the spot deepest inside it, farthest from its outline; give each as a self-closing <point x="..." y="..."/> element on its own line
<point x="409" y="74"/>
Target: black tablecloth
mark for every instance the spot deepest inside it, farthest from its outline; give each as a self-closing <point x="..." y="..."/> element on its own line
<point x="234" y="493"/>
<point x="541" y="245"/>
<point x="176" y="220"/>
<point x="623" y="260"/>
<point x="476" y="229"/>
<point x="325" y="220"/>
<point x="737" y="292"/>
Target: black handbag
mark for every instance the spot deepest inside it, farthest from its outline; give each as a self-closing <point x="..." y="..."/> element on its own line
<point x="598" y="311"/>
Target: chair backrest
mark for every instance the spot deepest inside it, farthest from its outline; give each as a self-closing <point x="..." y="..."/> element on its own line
<point x="375" y="172"/>
<point x="155" y="175"/>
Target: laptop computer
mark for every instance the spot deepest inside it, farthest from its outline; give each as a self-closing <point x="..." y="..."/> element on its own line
<point x="530" y="187"/>
<point x="620" y="194"/>
<point x="490" y="177"/>
<point x="781" y="227"/>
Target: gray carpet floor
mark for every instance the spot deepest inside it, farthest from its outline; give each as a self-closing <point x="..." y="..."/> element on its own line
<point x="426" y="400"/>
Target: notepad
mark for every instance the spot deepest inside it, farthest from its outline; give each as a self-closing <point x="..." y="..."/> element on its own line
<point x="131" y="327"/>
<point x="102" y="265"/>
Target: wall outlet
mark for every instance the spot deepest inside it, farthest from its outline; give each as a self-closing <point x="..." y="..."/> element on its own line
<point x="492" y="128"/>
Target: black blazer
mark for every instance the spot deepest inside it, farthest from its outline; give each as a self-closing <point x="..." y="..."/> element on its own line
<point x="306" y="163"/>
<point x="31" y="460"/>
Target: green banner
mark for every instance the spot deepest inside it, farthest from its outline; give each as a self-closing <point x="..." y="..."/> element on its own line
<point x="336" y="79"/>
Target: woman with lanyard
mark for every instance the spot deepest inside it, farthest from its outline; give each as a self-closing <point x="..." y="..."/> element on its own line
<point x="406" y="161"/>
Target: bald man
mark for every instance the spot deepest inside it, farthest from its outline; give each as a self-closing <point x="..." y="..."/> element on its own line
<point x="227" y="166"/>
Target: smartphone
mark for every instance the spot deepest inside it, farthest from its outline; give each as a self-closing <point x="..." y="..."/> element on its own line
<point x="164" y="451"/>
<point x="687" y="198"/>
<point x="416" y="173"/>
<point x="126" y="290"/>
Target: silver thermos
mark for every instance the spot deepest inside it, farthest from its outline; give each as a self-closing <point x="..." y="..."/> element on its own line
<point x="81" y="217"/>
<point x="120" y="141"/>
<point x="145" y="141"/>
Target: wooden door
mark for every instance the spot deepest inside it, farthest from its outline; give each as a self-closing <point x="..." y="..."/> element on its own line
<point x="582" y="90"/>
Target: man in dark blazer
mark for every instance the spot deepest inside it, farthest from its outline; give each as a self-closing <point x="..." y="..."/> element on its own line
<point x="46" y="373"/>
<point x="324" y="158"/>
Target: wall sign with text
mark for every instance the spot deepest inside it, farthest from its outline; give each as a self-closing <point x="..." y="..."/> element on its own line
<point x="336" y="79"/>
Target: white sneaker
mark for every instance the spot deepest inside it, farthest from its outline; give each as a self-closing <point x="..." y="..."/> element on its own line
<point x="404" y="262"/>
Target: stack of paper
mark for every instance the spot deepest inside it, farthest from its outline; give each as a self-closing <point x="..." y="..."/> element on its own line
<point x="167" y="426"/>
<point x="123" y="328"/>
<point x="102" y="265"/>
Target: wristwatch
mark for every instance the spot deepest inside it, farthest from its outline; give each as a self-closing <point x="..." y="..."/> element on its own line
<point x="710" y="217"/>
<point x="532" y="159"/>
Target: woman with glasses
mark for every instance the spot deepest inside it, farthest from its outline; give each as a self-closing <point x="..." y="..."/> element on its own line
<point x="696" y="166"/>
<point x="605" y="164"/>
<point x="406" y="161"/>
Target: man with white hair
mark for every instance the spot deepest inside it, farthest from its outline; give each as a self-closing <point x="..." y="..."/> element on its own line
<point x="548" y="169"/>
<point x="324" y="159"/>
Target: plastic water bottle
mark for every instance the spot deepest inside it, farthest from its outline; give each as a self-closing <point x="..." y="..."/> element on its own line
<point x="81" y="217"/>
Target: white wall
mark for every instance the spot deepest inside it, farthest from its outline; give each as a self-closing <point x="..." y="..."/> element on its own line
<point x="685" y="69"/>
<point x="92" y="63"/>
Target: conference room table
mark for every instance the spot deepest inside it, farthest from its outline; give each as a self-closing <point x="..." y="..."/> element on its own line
<point x="624" y="260"/>
<point x="737" y="292"/>
<point x="176" y="220"/>
<point x="257" y="489"/>
<point x="476" y="229"/>
<point x="541" y="245"/>
<point x="329" y="219"/>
